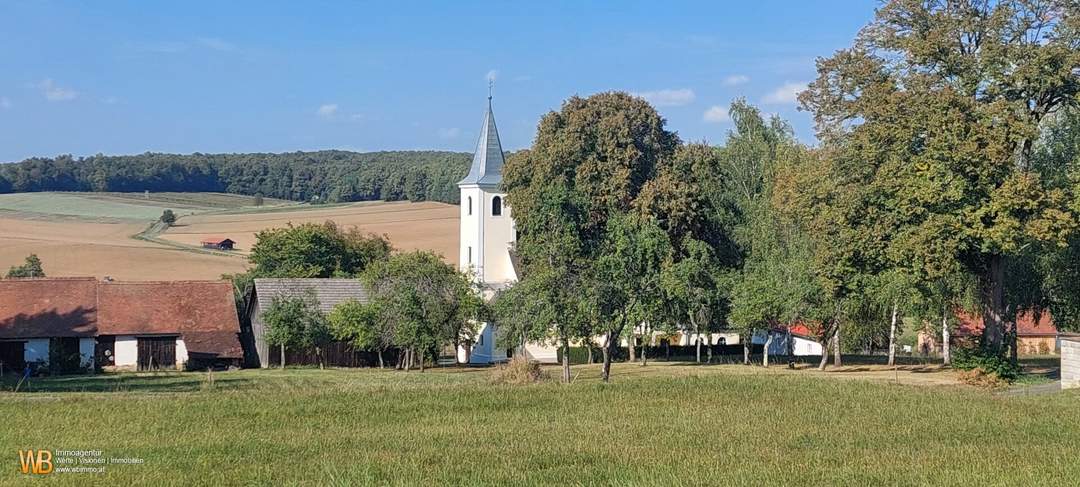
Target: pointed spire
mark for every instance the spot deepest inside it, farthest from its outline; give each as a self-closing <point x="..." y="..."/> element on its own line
<point x="488" y="160"/>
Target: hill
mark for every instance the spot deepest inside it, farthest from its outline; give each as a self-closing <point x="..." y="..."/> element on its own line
<point x="332" y="175"/>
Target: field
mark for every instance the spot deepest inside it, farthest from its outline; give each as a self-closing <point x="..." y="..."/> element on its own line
<point x="410" y="226"/>
<point x="665" y="424"/>
<point x="90" y="234"/>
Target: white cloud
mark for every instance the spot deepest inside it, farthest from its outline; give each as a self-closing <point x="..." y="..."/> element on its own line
<point x="668" y="98"/>
<point x="492" y="75"/>
<point x="449" y="133"/>
<point x="110" y="100"/>
<point x="56" y="93"/>
<point x="716" y="114"/>
<point x="357" y="116"/>
<point x="216" y="44"/>
<point x="5" y="102"/>
<point x="327" y="110"/>
<point x="736" y="79"/>
<point x="788" y="93"/>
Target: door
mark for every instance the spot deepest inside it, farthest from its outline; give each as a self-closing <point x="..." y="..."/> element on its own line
<point x="64" y="355"/>
<point x="105" y="351"/>
<point x="12" y="357"/>
<point x="157" y="353"/>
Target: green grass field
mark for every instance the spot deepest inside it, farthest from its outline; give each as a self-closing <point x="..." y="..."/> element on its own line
<point x="659" y="425"/>
<point x="125" y="206"/>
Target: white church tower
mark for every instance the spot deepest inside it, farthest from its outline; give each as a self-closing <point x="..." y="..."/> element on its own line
<point x="487" y="233"/>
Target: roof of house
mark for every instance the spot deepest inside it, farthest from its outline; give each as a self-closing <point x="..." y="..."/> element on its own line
<point x="486" y="169"/>
<point x="48" y="307"/>
<point x="329" y="292"/>
<point x="1026" y="324"/>
<point x="203" y="313"/>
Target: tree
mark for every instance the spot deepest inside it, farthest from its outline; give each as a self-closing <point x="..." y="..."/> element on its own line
<point x="315" y="250"/>
<point x="697" y="290"/>
<point x="31" y="268"/>
<point x="358" y="323"/>
<point x="257" y="200"/>
<point x="424" y="301"/>
<point x="938" y="106"/>
<point x="295" y="322"/>
<point x="168" y="217"/>
<point x="589" y="162"/>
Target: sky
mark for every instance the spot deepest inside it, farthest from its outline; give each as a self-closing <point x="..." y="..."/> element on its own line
<point x="126" y="77"/>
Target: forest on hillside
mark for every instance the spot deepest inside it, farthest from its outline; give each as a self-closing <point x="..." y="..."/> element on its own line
<point x="329" y="176"/>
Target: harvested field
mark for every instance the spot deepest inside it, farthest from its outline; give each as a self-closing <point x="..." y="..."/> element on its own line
<point x="410" y="226"/>
<point x="78" y="248"/>
<point x="89" y="234"/>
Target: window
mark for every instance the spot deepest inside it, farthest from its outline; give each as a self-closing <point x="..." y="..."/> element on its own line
<point x="496" y="206"/>
<point x="470" y="205"/>
<point x="470" y="255"/>
<point x="480" y="340"/>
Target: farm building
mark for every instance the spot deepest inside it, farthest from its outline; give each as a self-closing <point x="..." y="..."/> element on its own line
<point x="1070" y="361"/>
<point x="802" y="341"/>
<point x="1033" y="336"/>
<point x="218" y="243"/>
<point x="328" y="293"/>
<point x="71" y="324"/>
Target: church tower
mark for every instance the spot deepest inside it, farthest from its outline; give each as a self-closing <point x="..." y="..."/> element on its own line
<point x="487" y="234"/>
<point x="487" y="228"/>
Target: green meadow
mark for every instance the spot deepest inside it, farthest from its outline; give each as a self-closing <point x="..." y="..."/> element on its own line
<point x="671" y="425"/>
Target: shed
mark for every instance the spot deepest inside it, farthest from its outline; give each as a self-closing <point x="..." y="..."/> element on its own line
<point x="218" y="243"/>
<point x="1070" y="361"/>
<point x="328" y="292"/>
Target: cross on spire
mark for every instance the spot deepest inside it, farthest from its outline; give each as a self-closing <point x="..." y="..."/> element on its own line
<point x="491" y="86"/>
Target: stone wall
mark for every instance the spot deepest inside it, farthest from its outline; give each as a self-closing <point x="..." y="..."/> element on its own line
<point x="1070" y="362"/>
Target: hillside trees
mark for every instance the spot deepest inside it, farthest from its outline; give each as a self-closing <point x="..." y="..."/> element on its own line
<point x="299" y="176"/>
<point x="941" y="102"/>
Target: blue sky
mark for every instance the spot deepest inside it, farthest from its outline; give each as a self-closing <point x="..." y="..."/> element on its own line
<point x="123" y="77"/>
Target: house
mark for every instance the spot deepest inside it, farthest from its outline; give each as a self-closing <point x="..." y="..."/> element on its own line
<point x="1036" y="334"/>
<point x="803" y="343"/>
<point x="328" y="293"/>
<point x="218" y="243"/>
<point x="71" y="324"/>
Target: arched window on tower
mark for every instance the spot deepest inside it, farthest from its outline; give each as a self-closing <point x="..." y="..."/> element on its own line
<point x="470" y="205"/>
<point x="496" y="206"/>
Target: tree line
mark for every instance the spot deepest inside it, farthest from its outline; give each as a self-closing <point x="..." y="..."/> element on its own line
<point x="946" y="180"/>
<point x="329" y="176"/>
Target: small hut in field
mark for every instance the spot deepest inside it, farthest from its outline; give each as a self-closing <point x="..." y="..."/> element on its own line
<point x="218" y="243"/>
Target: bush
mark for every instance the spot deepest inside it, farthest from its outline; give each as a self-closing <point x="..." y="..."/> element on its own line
<point x="973" y="358"/>
<point x="519" y="371"/>
<point x="980" y="378"/>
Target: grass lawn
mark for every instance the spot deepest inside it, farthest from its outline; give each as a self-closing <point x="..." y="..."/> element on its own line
<point x="663" y="424"/>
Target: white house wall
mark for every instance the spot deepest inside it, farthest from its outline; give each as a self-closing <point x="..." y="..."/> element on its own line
<point x="181" y="353"/>
<point x="36" y="350"/>
<point x="126" y="351"/>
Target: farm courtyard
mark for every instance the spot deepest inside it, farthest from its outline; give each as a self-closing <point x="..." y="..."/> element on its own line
<point x="91" y="234"/>
<point x="664" y="424"/>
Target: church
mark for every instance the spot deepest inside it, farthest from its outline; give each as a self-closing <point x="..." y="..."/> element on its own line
<point x="486" y="240"/>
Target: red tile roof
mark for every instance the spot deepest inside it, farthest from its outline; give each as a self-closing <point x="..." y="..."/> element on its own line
<point x="48" y="307"/>
<point x="1026" y="325"/>
<point x="203" y="313"/>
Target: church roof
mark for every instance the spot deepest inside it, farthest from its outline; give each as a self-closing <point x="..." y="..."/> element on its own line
<point x="488" y="160"/>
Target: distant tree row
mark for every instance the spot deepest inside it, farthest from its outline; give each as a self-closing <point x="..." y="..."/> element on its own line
<point x="330" y="176"/>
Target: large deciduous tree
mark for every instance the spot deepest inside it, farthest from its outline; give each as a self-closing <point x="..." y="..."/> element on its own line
<point x="937" y="107"/>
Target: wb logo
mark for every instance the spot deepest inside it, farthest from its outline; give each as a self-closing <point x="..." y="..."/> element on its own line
<point x="40" y="465"/>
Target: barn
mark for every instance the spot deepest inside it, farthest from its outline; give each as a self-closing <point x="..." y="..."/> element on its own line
<point x="218" y="243"/>
<point x="328" y="293"/>
<point x="66" y="325"/>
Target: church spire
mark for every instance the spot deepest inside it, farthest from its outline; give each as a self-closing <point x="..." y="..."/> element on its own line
<point x="486" y="169"/>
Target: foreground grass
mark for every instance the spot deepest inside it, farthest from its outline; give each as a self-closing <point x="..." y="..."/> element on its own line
<point x="671" y="425"/>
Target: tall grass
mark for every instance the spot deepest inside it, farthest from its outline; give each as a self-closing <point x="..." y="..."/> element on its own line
<point x="347" y="427"/>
